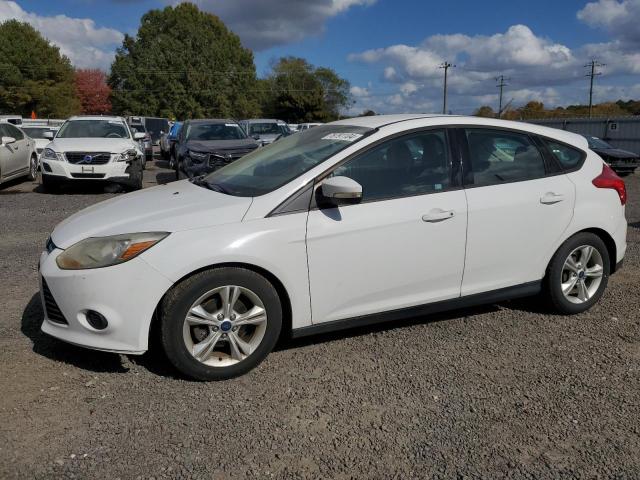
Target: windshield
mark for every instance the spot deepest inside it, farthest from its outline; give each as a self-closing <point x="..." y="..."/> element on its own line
<point x="268" y="168"/>
<point x="37" y="132"/>
<point x="264" y="129"/>
<point x="214" y="131"/>
<point x="595" y="142"/>
<point x="93" y="129"/>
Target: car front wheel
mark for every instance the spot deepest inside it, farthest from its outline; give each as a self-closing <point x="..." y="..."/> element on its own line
<point x="220" y="323"/>
<point x="578" y="274"/>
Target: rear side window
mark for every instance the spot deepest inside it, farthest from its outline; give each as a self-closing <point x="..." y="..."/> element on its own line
<point x="501" y="156"/>
<point x="568" y="157"/>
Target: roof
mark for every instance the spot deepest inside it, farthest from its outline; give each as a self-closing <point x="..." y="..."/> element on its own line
<point x="261" y="120"/>
<point x="96" y="117"/>
<point x="211" y="120"/>
<point x="378" y="121"/>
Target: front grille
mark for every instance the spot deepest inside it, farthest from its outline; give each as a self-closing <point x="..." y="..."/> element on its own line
<point x="51" y="307"/>
<point x="88" y="158"/>
<point x="222" y="158"/>
<point x="87" y="175"/>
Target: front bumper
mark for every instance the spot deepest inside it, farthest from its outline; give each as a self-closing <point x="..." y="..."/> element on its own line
<point x="71" y="171"/>
<point x="126" y="295"/>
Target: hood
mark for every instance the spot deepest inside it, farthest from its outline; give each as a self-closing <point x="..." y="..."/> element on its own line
<point x="209" y="146"/>
<point x="269" y="137"/>
<point x="615" y="153"/>
<point x="111" y="145"/>
<point x="166" y="208"/>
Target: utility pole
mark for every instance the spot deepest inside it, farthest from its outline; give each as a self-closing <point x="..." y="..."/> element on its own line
<point x="592" y="65"/>
<point x="446" y="66"/>
<point x="501" y="84"/>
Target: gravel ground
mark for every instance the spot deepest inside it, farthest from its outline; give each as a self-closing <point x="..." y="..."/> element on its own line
<point x="499" y="391"/>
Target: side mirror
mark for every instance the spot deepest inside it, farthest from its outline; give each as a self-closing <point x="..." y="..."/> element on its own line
<point x="138" y="136"/>
<point x="8" y="140"/>
<point x="255" y="136"/>
<point x="341" y="191"/>
<point x="48" y="135"/>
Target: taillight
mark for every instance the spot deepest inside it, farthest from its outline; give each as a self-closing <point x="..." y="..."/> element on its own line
<point x="609" y="179"/>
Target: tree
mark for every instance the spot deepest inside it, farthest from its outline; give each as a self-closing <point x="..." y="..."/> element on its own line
<point x="297" y="92"/>
<point x="34" y="76"/>
<point x="485" y="111"/>
<point x="93" y="91"/>
<point x="183" y="63"/>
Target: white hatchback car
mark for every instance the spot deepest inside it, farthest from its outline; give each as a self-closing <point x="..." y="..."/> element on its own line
<point x="352" y="222"/>
<point x="93" y="148"/>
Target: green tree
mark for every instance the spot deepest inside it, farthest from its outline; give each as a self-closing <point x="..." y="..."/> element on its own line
<point x="183" y="63"/>
<point x="34" y="76"/>
<point x="296" y="91"/>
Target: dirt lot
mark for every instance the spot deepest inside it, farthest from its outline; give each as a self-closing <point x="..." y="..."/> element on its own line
<point x="498" y="391"/>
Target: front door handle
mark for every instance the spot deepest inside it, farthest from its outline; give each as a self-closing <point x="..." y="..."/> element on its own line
<point x="550" y="198"/>
<point x="438" y="215"/>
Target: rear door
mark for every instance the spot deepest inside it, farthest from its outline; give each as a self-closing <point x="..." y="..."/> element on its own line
<point x="519" y="206"/>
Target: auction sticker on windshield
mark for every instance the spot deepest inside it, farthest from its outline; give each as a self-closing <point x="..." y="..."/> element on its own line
<point x="343" y="137"/>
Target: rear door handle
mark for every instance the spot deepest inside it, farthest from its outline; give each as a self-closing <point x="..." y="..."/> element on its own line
<point x="438" y="215"/>
<point x="550" y="198"/>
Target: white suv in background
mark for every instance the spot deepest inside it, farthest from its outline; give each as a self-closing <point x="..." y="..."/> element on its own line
<point x="93" y="148"/>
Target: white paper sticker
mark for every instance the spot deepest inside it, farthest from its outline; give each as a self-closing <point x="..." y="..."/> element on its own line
<point x="343" y="137"/>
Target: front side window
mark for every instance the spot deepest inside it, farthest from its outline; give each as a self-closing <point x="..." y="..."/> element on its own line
<point x="93" y="129"/>
<point x="268" y="168"/>
<point x="411" y="165"/>
<point x="501" y="156"/>
<point x="214" y="131"/>
<point x="568" y="157"/>
<point x="14" y="132"/>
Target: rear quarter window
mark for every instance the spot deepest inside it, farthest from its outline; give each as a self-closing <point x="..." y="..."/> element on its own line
<point x="570" y="158"/>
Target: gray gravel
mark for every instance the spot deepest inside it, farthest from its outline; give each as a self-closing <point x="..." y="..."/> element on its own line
<point x="498" y="391"/>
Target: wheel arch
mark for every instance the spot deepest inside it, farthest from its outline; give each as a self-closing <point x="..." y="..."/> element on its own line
<point x="605" y="236"/>
<point x="283" y="295"/>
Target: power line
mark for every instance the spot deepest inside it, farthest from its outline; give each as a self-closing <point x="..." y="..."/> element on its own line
<point x="446" y="66"/>
<point x="593" y="64"/>
<point x="501" y="84"/>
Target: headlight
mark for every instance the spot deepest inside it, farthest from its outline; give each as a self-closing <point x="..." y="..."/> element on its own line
<point x="49" y="154"/>
<point x="198" y="156"/>
<point x="128" y="156"/>
<point x="97" y="252"/>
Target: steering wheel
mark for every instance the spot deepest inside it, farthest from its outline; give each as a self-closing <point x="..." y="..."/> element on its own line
<point x="113" y="135"/>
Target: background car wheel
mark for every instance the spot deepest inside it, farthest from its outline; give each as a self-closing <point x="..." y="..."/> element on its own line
<point x="220" y="323"/>
<point x="33" y="167"/>
<point x="578" y="274"/>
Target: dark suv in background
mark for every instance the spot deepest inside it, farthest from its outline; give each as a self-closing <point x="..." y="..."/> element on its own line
<point x="206" y="145"/>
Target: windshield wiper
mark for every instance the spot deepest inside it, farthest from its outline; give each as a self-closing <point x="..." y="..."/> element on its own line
<point x="201" y="182"/>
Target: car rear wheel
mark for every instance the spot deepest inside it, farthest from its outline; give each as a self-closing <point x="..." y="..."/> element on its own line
<point x="578" y="274"/>
<point x="220" y="323"/>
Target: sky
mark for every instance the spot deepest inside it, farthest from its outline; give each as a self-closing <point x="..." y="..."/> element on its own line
<point x="391" y="50"/>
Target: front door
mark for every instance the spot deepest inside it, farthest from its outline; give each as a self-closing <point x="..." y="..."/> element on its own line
<point x="403" y="245"/>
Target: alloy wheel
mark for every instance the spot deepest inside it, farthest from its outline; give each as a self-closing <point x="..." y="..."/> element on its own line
<point x="582" y="274"/>
<point x="224" y="326"/>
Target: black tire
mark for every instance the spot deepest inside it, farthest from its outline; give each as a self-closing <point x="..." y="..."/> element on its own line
<point x="50" y="184"/>
<point x="33" y="168"/>
<point x="552" y="284"/>
<point x="179" y="300"/>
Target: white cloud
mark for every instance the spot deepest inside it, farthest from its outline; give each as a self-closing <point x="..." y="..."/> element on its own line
<point x="620" y="18"/>
<point x="266" y="23"/>
<point x="538" y="68"/>
<point x="80" y="39"/>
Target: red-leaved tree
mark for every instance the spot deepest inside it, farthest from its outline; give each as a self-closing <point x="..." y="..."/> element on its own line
<point x="93" y="91"/>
